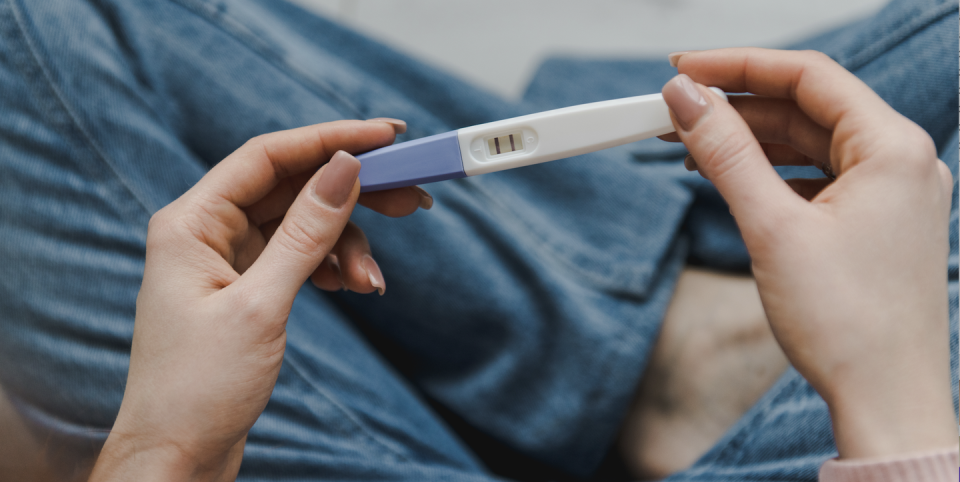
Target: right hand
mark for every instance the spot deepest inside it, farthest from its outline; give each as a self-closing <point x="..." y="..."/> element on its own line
<point x="851" y="273"/>
<point x="224" y="264"/>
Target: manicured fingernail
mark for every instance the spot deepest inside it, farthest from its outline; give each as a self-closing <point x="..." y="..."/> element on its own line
<point x="337" y="179"/>
<point x="399" y="126"/>
<point x="685" y="100"/>
<point x="334" y="263"/>
<point x="690" y="163"/>
<point x="374" y="274"/>
<point x="675" y="56"/>
<point x="426" y="200"/>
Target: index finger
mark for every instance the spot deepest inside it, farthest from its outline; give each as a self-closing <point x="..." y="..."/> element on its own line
<point x="250" y="172"/>
<point x="822" y="88"/>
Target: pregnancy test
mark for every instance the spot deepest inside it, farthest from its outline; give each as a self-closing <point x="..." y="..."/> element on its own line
<point x="517" y="142"/>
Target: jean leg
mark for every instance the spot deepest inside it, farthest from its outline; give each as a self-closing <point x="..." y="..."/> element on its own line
<point x="552" y="280"/>
<point x="525" y="301"/>
<point x="341" y="412"/>
<point x="907" y="54"/>
<point x="87" y="154"/>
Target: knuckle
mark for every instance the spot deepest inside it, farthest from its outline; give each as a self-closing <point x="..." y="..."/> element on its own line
<point x="945" y="173"/>
<point x="726" y="156"/>
<point x="161" y="227"/>
<point x="252" y="147"/>
<point x="255" y="143"/>
<point x="921" y="141"/>
<point x="300" y="239"/>
<point x="157" y="221"/>
<point x="264" y="146"/>
<point x="946" y="177"/>
<point x="913" y="149"/>
<point x="817" y="57"/>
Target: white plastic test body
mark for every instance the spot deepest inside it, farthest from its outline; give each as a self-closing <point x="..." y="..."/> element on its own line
<point x="517" y="142"/>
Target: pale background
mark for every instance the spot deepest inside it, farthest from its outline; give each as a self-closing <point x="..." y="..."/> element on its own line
<point x="497" y="44"/>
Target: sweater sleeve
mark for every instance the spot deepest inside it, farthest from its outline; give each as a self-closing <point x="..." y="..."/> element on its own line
<point x="938" y="466"/>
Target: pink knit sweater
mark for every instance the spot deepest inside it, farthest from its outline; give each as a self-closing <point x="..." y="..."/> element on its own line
<point x="940" y="466"/>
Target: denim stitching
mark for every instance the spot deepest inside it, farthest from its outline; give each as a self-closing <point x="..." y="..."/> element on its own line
<point x="294" y="365"/>
<point x="370" y="434"/>
<point x="244" y="37"/>
<point x="734" y="443"/>
<point x="904" y="32"/>
<point x="561" y="256"/>
<point x="21" y="22"/>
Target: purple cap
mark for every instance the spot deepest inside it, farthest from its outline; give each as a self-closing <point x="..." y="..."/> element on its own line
<point x="430" y="159"/>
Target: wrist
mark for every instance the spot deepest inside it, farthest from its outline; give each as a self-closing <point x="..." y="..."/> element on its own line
<point x="128" y="456"/>
<point x="888" y="419"/>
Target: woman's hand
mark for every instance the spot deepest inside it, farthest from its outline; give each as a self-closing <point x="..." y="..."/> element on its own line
<point x="852" y="273"/>
<point x="224" y="263"/>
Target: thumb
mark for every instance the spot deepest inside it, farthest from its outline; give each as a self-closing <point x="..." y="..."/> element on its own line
<point x="309" y="230"/>
<point x="727" y="153"/>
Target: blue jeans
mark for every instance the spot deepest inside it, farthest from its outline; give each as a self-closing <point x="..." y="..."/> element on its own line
<point x="521" y="310"/>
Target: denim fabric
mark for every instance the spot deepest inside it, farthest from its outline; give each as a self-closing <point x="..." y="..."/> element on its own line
<point x="525" y="303"/>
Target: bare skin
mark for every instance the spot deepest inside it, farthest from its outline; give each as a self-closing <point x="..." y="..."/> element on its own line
<point x="714" y="358"/>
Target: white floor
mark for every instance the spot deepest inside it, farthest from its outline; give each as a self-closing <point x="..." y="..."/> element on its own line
<point x="497" y="44"/>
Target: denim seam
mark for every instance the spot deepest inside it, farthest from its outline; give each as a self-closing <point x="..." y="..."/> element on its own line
<point x="736" y="451"/>
<point x="370" y="434"/>
<point x="236" y="29"/>
<point x="904" y="32"/>
<point x="735" y="441"/>
<point x="21" y="23"/>
<point x="561" y="257"/>
<point x="348" y="415"/>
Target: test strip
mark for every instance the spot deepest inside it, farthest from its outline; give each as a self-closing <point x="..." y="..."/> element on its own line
<point x="521" y="141"/>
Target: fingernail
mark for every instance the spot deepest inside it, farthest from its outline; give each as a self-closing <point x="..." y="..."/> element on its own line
<point x="399" y="126"/>
<point x="690" y="163"/>
<point x="374" y="274"/>
<point x="337" y="179"/>
<point x="334" y="263"/>
<point x="675" y="56"/>
<point x="684" y="99"/>
<point x="426" y="200"/>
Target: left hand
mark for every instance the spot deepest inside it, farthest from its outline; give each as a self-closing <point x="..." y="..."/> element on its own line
<point x="851" y="271"/>
<point x="224" y="264"/>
